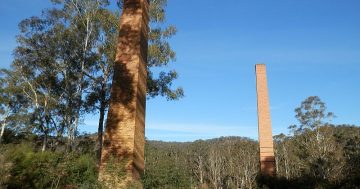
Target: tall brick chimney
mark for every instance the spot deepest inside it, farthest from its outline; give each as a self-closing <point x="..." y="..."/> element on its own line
<point x="267" y="158"/>
<point x="122" y="158"/>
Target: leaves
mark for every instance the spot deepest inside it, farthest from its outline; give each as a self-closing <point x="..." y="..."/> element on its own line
<point x="312" y="114"/>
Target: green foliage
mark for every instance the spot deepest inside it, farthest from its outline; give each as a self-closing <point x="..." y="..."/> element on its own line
<point x="311" y="114"/>
<point x="166" y="166"/>
<point x="180" y="165"/>
<point x="12" y="111"/>
<point x="27" y="168"/>
<point x="62" y="69"/>
<point x="227" y="162"/>
<point x="160" y="54"/>
<point x="116" y="169"/>
<point x="317" y="155"/>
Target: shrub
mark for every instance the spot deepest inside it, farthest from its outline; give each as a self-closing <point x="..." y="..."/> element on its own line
<point x="31" y="169"/>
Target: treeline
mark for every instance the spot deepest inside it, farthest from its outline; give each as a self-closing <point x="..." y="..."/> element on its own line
<point x="325" y="158"/>
<point x="316" y="155"/>
<point x="226" y="162"/>
<point x="233" y="162"/>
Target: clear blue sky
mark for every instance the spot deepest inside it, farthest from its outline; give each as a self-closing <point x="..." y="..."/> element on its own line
<point x="310" y="48"/>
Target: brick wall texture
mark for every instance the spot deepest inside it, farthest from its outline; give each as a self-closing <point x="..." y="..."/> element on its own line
<point x="122" y="158"/>
<point x="267" y="158"/>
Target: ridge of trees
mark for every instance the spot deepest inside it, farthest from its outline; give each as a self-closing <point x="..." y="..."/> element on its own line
<point x="325" y="156"/>
<point x="226" y="162"/>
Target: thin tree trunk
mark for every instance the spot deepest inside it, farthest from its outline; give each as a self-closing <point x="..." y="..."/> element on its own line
<point x="2" y="131"/>
<point x="101" y="119"/>
<point x="44" y="142"/>
<point x="75" y="124"/>
<point x="71" y="132"/>
<point x="101" y="129"/>
<point x="80" y="88"/>
<point x="73" y="136"/>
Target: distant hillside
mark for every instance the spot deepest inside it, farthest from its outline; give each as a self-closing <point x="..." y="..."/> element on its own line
<point x="302" y="161"/>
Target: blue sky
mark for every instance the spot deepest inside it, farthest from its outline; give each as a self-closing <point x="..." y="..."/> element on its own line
<point x="310" y="48"/>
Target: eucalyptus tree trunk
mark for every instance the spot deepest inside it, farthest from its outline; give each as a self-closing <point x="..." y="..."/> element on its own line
<point x="2" y="131"/>
<point x="101" y="119"/>
<point x="87" y="17"/>
<point x="45" y="139"/>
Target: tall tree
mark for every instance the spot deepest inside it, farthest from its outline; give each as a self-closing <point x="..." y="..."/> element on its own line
<point x="7" y="98"/>
<point x="85" y="18"/>
<point x="54" y="52"/>
<point x="4" y="104"/>
<point x="37" y="78"/>
<point x="317" y="141"/>
<point x="13" y="105"/>
<point x="312" y="114"/>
